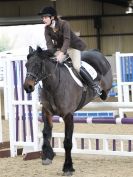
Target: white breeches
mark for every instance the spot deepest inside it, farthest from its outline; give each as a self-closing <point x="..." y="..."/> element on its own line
<point x="76" y="58"/>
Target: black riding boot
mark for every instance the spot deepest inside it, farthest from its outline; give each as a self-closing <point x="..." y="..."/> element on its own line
<point x="89" y="81"/>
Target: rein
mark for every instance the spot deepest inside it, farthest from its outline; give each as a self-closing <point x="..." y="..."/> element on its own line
<point x="51" y="74"/>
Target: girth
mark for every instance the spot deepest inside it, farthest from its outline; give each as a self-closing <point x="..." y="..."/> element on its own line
<point x="81" y="103"/>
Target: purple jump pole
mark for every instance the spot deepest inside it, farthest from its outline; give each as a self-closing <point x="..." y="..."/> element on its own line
<point x="99" y="120"/>
<point x="16" y="96"/>
<point x="30" y="117"/>
<point x="129" y="145"/>
<point x="23" y="107"/>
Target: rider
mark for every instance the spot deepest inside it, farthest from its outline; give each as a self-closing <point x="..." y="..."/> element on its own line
<point x="59" y="35"/>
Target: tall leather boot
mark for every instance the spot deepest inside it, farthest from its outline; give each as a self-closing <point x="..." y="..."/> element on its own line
<point x="89" y="81"/>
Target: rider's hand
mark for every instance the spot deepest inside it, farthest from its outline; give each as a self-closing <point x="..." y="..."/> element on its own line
<point x="60" y="56"/>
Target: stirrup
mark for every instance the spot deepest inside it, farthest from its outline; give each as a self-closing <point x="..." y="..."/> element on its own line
<point x="102" y="94"/>
<point x="98" y="90"/>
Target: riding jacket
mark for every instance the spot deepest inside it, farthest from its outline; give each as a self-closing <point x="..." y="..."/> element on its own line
<point x="61" y="37"/>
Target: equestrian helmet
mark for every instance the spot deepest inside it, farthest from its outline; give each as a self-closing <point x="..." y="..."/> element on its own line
<point x="48" y="11"/>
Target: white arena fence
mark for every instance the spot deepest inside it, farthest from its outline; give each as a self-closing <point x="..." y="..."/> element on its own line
<point x="23" y="113"/>
<point x="102" y="144"/>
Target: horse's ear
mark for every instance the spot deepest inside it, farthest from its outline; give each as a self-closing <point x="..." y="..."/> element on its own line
<point x="39" y="49"/>
<point x="30" y="50"/>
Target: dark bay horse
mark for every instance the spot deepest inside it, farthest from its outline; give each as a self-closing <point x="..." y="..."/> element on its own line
<point x="61" y="95"/>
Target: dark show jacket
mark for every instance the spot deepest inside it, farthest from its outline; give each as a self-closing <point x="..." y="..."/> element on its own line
<point x="62" y="37"/>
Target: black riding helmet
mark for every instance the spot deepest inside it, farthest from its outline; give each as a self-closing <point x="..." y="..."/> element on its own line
<point x="48" y="11"/>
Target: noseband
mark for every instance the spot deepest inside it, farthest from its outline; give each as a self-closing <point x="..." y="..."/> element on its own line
<point x="32" y="76"/>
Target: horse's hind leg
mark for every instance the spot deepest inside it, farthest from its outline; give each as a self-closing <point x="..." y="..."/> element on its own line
<point x="68" y="165"/>
<point x="47" y="151"/>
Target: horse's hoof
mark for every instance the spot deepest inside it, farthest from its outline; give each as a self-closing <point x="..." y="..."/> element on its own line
<point x="46" y="162"/>
<point x="68" y="173"/>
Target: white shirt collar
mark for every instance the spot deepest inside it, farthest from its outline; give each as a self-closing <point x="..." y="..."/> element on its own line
<point x="53" y="24"/>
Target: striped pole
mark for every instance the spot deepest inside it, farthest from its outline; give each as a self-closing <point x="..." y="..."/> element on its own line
<point x="98" y="120"/>
<point x="16" y="95"/>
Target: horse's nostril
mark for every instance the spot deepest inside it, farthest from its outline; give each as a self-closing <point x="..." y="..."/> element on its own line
<point x="30" y="87"/>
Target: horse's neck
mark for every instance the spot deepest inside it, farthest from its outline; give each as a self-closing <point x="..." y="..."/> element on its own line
<point x="51" y="71"/>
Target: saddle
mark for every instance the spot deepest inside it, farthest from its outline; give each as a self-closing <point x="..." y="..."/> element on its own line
<point x="68" y="63"/>
<point x="80" y="80"/>
<point x="92" y="75"/>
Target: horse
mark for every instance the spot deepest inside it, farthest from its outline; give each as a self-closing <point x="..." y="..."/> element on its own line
<point x="61" y="95"/>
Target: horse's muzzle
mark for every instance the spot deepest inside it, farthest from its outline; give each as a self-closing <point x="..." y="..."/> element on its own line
<point x="29" y="86"/>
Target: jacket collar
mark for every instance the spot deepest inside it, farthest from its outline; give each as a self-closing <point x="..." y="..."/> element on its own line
<point x="57" y="25"/>
<point x="53" y="24"/>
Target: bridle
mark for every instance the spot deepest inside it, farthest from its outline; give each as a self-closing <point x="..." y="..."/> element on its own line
<point x="43" y="76"/>
<point x="32" y="76"/>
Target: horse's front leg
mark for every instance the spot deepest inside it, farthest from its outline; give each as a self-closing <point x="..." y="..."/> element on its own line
<point x="47" y="151"/>
<point x="68" y="165"/>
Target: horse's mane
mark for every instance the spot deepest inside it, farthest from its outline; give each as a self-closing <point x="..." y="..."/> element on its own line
<point x="47" y="53"/>
<point x="42" y="53"/>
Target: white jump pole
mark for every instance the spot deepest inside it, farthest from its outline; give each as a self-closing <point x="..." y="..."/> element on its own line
<point x="113" y="105"/>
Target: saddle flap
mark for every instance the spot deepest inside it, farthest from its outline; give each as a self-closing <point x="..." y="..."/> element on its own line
<point x="89" y="69"/>
<point x="84" y="64"/>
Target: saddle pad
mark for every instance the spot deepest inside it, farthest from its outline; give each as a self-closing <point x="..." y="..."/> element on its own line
<point x="89" y="69"/>
<point x="73" y="76"/>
